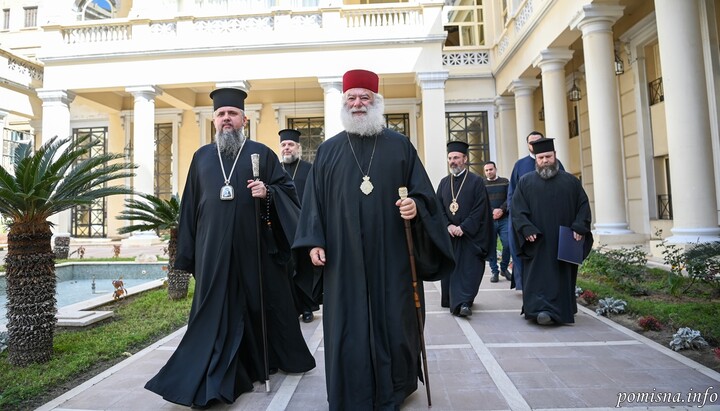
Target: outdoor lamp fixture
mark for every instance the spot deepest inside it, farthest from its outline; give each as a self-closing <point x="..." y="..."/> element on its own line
<point x="574" y="94"/>
<point x="619" y="65"/>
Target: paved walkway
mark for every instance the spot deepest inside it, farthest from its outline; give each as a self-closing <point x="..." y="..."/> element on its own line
<point x="494" y="360"/>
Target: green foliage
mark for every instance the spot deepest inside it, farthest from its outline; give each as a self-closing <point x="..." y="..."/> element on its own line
<point x="138" y="322"/>
<point x="152" y="213"/>
<point x="610" y="305"/>
<point x="3" y="341"/>
<point x="622" y="268"/>
<point x="700" y="261"/>
<point x="59" y="175"/>
<point x="687" y="338"/>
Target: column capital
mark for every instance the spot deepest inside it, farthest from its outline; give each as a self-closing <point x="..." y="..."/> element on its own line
<point x="147" y="92"/>
<point x="3" y="114"/>
<point x="333" y="83"/>
<point x="505" y="103"/>
<point x="239" y="84"/>
<point x="62" y="97"/>
<point x="432" y="80"/>
<point x="524" y="86"/>
<point x="596" y="18"/>
<point x="553" y="59"/>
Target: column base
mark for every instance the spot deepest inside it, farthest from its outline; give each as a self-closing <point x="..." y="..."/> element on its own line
<point x="694" y="235"/>
<point x="628" y="239"/>
<point x="611" y="228"/>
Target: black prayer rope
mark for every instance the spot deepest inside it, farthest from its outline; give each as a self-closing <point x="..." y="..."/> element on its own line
<point x="268" y="201"/>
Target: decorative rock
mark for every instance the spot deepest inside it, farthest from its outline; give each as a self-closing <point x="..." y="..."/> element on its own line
<point x="146" y="258"/>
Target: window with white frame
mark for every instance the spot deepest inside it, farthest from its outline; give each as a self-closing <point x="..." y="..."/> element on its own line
<point x="30" y="16"/>
<point x="6" y="19"/>
<point x="464" y="22"/>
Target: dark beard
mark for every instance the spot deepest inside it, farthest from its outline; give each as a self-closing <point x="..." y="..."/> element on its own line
<point x="549" y="171"/>
<point x="230" y="142"/>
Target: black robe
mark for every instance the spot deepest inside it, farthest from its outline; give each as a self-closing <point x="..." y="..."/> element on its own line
<point x="540" y="207"/>
<point x="475" y="218"/>
<point x="298" y="172"/>
<point x="372" y="344"/>
<point x="221" y="354"/>
<point x="307" y="292"/>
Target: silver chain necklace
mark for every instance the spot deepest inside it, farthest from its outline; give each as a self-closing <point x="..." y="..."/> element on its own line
<point x="227" y="192"/>
<point x="366" y="186"/>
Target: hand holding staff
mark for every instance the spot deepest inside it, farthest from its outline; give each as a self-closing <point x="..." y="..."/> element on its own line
<point x="402" y="191"/>
<point x="255" y="158"/>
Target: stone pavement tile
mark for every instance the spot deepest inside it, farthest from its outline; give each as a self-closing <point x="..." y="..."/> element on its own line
<point x="552" y="398"/>
<point x="460" y="380"/>
<point x="561" y="363"/>
<point x="582" y="377"/>
<point x="601" y="396"/>
<point x="307" y="401"/>
<point x="515" y="364"/>
<point x="532" y="380"/>
<point x="476" y="399"/>
<point x="645" y="358"/>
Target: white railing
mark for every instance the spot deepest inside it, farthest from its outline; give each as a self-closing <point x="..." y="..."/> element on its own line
<point x="383" y="18"/>
<point x="97" y="33"/>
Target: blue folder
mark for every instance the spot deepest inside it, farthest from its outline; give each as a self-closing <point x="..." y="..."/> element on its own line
<point x="569" y="250"/>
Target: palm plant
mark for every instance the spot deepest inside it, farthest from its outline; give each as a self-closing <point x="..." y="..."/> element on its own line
<point x="56" y="177"/>
<point x="155" y="213"/>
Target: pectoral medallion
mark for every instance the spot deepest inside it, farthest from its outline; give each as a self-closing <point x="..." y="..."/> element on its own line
<point x="227" y="192"/>
<point x="366" y="187"/>
<point x="454" y="206"/>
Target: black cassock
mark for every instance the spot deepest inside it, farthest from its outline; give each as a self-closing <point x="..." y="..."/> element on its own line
<point x="371" y="338"/>
<point x="221" y="355"/>
<point x="540" y="207"/>
<point x="475" y="218"/>
<point x="298" y="172"/>
<point x="308" y="290"/>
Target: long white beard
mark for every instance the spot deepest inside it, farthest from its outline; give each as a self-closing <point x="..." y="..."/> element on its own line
<point x="549" y="171"/>
<point x="368" y="125"/>
<point x="229" y="142"/>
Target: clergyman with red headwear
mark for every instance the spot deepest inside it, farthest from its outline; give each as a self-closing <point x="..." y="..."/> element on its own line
<point x="352" y="225"/>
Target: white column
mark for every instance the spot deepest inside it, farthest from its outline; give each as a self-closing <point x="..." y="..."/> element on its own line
<point x="143" y="150"/>
<point x="688" y="122"/>
<point x="432" y="85"/>
<point x="552" y="64"/>
<point x="524" y="112"/>
<point x="507" y="152"/>
<point x="596" y="22"/>
<point x="333" y="103"/>
<point x="3" y="116"/>
<point x="56" y="122"/>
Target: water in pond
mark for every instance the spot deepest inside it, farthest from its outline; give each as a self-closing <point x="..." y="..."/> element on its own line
<point x="74" y="291"/>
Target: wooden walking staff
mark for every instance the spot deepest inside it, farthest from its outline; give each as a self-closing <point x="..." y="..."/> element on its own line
<point x="255" y="158"/>
<point x="402" y="191"/>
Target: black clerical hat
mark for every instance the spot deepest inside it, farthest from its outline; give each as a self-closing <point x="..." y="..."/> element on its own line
<point x="289" y="134"/>
<point x="543" y="145"/>
<point x="228" y="97"/>
<point x="458" y="146"/>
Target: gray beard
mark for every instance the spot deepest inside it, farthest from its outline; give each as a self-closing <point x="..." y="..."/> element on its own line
<point x="290" y="159"/>
<point x="549" y="171"/>
<point x="456" y="170"/>
<point x="230" y="142"/>
<point x="369" y="125"/>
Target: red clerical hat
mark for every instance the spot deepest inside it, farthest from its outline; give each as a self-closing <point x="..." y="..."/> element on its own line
<point x="360" y="79"/>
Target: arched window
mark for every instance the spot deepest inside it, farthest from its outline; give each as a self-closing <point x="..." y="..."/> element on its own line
<point x="97" y="9"/>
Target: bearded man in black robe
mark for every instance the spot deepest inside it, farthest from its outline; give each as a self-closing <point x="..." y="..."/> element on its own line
<point x="221" y="354"/>
<point x="466" y="207"/>
<point x="352" y="224"/>
<point x="543" y="201"/>
<point x="305" y="296"/>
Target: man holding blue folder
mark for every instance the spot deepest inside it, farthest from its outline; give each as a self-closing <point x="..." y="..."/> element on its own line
<point x="543" y="202"/>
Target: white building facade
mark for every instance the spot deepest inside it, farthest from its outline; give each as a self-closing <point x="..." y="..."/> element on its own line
<point x="627" y="88"/>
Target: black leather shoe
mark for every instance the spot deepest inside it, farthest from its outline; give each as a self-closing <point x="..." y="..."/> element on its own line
<point x="465" y="311"/>
<point x="507" y="275"/>
<point x="494" y="278"/>
<point x="307" y="317"/>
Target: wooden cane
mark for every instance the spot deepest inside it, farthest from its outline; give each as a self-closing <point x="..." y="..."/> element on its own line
<point x="402" y="191"/>
<point x="255" y="158"/>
